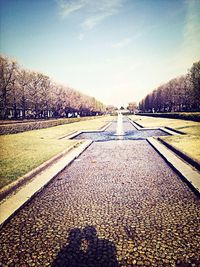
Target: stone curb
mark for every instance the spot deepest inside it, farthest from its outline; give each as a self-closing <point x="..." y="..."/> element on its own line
<point x="64" y="136"/>
<point x="190" y="175"/>
<point x="10" y="206"/>
<point x="136" y="124"/>
<point x="191" y="161"/>
<point x="167" y="130"/>
<point x="71" y="136"/>
<point x="10" y="188"/>
<point x="102" y="129"/>
<point x="75" y="133"/>
<point x="182" y="155"/>
<point x="175" y="130"/>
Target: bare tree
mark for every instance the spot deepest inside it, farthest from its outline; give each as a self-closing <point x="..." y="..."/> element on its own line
<point x="24" y="80"/>
<point x="179" y="94"/>
<point x="32" y="94"/>
<point x="7" y="81"/>
<point x="132" y="106"/>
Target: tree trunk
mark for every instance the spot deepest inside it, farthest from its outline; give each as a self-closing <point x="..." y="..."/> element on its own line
<point x="23" y="108"/>
<point x="15" y="109"/>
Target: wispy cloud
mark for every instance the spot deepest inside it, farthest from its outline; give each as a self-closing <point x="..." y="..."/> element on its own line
<point x="122" y="43"/>
<point x="100" y="11"/>
<point x="94" y="11"/>
<point x="189" y="50"/>
<point x="90" y="22"/>
<point x="69" y="7"/>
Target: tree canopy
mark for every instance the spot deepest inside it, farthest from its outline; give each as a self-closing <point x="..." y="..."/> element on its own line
<point x="29" y="94"/>
<point x="179" y="94"/>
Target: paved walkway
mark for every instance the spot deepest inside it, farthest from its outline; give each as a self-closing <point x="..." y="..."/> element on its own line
<point x="118" y="204"/>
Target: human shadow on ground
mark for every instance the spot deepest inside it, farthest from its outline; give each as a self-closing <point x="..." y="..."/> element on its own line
<point x="85" y="249"/>
<point x="191" y="264"/>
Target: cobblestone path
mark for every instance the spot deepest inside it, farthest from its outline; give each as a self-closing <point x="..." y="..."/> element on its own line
<point x="118" y="204"/>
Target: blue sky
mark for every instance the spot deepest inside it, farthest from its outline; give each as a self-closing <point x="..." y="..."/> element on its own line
<point x="115" y="50"/>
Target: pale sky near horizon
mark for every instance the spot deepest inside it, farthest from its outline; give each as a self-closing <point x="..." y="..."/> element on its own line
<point x="114" y="50"/>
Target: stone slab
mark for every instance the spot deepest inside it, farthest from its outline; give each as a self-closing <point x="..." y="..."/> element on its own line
<point x="189" y="173"/>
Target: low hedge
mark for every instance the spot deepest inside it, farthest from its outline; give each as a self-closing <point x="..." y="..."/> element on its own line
<point x="35" y="125"/>
<point x="192" y="116"/>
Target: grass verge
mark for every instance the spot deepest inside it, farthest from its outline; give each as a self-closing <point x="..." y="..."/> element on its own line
<point x="23" y="126"/>
<point x="188" y="144"/>
<point x="22" y="152"/>
<point x="194" y="116"/>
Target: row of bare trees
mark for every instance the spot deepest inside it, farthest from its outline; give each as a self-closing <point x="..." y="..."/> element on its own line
<point x="179" y="94"/>
<point x="28" y="94"/>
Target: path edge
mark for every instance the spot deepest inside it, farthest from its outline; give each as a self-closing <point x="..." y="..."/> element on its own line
<point x="187" y="158"/>
<point x="173" y="132"/>
<point x="10" y="188"/>
<point x="73" y="134"/>
<point x="168" y="130"/>
<point x="75" y="154"/>
<point x="188" y="176"/>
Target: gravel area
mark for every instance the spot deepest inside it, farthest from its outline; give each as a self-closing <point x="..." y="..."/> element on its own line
<point x="118" y="204"/>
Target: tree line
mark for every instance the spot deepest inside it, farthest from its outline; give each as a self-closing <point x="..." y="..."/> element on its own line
<point x="179" y="94"/>
<point x="27" y="94"/>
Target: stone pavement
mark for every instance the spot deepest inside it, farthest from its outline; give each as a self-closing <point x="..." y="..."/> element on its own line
<point x="118" y="204"/>
<point x="12" y="203"/>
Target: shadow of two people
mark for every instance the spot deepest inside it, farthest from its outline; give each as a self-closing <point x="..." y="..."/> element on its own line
<point x="98" y="252"/>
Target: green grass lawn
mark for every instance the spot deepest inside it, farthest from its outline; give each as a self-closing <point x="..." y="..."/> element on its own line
<point x="186" y="126"/>
<point x="22" y="152"/>
<point x="188" y="144"/>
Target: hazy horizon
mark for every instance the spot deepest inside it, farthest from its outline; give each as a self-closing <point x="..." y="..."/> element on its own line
<point x="114" y="50"/>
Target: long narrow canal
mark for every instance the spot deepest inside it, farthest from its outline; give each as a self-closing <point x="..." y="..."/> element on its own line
<point x="118" y="204"/>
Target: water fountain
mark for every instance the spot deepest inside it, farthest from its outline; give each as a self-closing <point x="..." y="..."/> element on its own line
<point x="119" y="129"/>
<point x="122" y="130"/>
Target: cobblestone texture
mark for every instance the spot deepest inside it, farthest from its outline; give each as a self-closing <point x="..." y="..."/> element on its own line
<point x="118" y="204"/>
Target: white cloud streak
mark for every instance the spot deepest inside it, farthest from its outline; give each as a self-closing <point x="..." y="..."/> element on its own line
<point x="94" y="11"/>
<point x="90" y="22"/>
<point x="69" y="7"/>
<point x="122" y="43"/>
